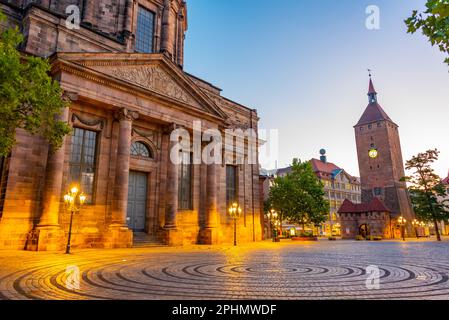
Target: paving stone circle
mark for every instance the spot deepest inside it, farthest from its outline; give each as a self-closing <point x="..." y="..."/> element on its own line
<point x="315" y="271"/>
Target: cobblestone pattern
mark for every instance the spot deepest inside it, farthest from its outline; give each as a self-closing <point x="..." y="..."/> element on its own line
<point x="266" y="271"/>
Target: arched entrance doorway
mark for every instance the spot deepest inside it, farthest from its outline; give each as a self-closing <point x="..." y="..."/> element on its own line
<point x="364" y="230"/>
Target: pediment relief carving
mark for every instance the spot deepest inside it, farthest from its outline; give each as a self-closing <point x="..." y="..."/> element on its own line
<point x="150" y="72"/>
<point x="153" y="78"/>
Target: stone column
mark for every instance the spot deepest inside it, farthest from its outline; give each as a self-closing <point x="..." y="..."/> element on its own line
<point x="165" y="31"/>
<point x="180" y="39"/>
<point x="125" y="118"/>
<point x="127" y="31"/>
<point x="48" y="235"/>
<point x="119" y="235"/>
<point x="209" y="231"/>
<point x="53" y="184"/>
<point x="172" y="189"/>
<point x="127" y="25"/>
<point x="173" y="236"/>
<point x="88" y="15"/>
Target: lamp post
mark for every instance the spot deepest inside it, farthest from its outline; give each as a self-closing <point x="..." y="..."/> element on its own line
<point x="401" y="222"/>
<point x="272" y="218"/>
<point x="338" y="226"/>
<point x="277" y="224"/>
<point x="74" y="200"/>
<point x="415" y="224"/>
<point x="422" y="224"/>
<point x="234" y="213"/>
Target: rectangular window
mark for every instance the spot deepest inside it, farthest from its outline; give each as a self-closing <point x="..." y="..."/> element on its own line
<point x="83" y="159"/>
<point x="145" y="31"/>
<point x="231" y="185"/>
<point x="185" y="182"/>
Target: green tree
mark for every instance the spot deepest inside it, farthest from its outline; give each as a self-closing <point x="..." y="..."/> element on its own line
<point x="427" y="190"/>
<point x="434" y="24"/>
<point x="299" y="196"/>
<point x="29" y="98"/>
<point x="280" y="199"/>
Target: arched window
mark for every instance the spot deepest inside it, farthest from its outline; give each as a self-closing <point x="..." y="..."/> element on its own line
<point x="139" y="149"/>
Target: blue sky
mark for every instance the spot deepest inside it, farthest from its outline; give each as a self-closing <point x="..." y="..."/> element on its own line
<point x="303" y="65"/>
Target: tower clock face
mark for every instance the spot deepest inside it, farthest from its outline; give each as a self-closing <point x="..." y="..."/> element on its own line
<point x="373" y="153"/>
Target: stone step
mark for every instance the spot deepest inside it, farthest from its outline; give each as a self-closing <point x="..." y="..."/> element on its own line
<point x="142" y="239"/>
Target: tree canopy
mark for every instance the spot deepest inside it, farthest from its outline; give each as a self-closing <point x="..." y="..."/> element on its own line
<point x="299" y="196"/>
<point x="426" y="189"/>
<point x="434" y="24"/>
<point x="29" y="98"/>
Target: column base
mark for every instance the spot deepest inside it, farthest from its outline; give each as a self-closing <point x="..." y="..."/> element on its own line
<point x="172" y="237"/>
<point x="209" y="236"/>
<point x="118" y="236"/>
<point x="46" y="238"/>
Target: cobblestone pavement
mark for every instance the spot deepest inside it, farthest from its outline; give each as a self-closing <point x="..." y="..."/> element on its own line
<point x="323" y="270"/>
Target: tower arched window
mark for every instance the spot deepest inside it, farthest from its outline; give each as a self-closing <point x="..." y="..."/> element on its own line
<point x="139" y="149"/>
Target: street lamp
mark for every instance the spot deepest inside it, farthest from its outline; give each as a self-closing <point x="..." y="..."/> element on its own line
<point x="338" y="227"/>
<point x="416" y="224"/>
<point x="73" y="200"/>
<point x="234" y="213"/>
<point x="401" y="222"/>
<point x="277" y="225"/>
<point x="273" y="218"/>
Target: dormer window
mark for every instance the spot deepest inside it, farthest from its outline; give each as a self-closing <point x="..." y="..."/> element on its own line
<point x="145" y="31"/>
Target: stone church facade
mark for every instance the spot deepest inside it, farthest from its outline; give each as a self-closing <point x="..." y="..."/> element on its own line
<point x="123" y="73"/>
<point x="381" y="170"/>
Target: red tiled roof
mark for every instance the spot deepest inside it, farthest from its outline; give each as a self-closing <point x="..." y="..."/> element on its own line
<point x="284" y="171"/>
<point x="373" y="113"/>
<point x="320" y="166"/>
<point x="446" y="180"/>
<point x="321" y="169"/>
<point x="374" y="206"/>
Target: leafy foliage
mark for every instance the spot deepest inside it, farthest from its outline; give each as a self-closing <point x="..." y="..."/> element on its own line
<point x="426" y="189"/>
<point x="29" y="98"/>
<point x="299" y="196"/>
<point x="434" y="24"/>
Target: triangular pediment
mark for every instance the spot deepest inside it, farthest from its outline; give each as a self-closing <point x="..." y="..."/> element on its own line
<point x="151" y="72"/>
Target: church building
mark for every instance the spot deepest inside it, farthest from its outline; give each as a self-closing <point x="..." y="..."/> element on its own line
<point x="122" y="70"/>
<point x="381" y="170"/>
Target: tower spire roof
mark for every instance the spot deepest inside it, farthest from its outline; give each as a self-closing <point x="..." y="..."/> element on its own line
<point x="371" y="86"/>
<point x="374" y="111"/>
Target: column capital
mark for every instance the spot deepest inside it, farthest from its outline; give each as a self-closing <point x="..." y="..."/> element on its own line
<point x="168" y="129"/>
<point x="126" y="114"/>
